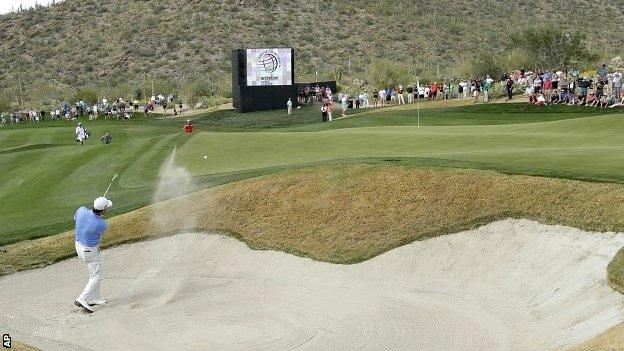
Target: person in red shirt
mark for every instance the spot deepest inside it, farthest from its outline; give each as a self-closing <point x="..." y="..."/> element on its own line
<point x="548" y="87"/>
<point x="433" y="91"/>
<point x="188" y="127"/>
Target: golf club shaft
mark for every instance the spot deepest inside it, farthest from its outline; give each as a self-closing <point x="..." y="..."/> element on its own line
<point x="109" y="184"/>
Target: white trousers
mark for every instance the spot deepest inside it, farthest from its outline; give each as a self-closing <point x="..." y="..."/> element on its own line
<point x="91" y="256"/>
<point x="401" y="98"/>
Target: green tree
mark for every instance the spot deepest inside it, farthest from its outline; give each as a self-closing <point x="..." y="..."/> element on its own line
<point x="551" y="47"/>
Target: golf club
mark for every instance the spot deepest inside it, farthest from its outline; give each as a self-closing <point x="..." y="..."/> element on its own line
<point x="109" y="184"/>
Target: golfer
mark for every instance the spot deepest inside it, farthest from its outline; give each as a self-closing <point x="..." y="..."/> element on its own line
<point x="81" y="134"/>
<point x="89" y="229"/>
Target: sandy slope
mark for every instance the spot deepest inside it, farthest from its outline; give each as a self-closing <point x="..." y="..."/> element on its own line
<point x="510" y="285"/>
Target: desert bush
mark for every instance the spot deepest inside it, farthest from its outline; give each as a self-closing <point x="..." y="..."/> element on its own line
<point x="381" y="73"/>
<point x="87" y="95"/>
<point x="550" y="46"/>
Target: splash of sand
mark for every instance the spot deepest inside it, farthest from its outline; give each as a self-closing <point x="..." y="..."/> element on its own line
<point x="174" y="181"/>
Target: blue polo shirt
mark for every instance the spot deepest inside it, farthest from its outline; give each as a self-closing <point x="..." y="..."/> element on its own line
<point x="89" y="227"/>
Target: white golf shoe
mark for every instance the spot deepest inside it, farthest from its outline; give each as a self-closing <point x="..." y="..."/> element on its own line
<point x="97" y="302"/>
<point x="84" y="305"/>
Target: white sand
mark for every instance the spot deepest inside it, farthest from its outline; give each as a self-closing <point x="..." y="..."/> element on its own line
<point x="511" y="285"/>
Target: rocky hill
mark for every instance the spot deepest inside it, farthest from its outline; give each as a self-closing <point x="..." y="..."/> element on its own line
<point x="106" y="43"/>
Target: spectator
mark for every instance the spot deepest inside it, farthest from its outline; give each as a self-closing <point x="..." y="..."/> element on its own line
<point x="382" y="97"/>
<point x="509" y="86"/>
<point x="324" y="113"/>
<point x="541" y="100"/>
<point x="433" y="91"/>
<point x="330" y="110"/>
<point x="476" y="89"/>
<point x="591" y="99"/>
<point x="602" y="73"/>
<point x="617" y="84"/>
<point x="106" y="138"/>
<point x="554" y="98"/>
<point x="344" y="104"/>
<point x="364" y="99"/>
<point x="400" y="97"/>
<point x="486" y="88"/>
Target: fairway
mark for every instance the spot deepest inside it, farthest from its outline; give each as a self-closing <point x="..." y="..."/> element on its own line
<point x="46" y="176"/>
<point x="585" y="148"/>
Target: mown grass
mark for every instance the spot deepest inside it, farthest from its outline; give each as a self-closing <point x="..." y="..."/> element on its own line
<point x="460" y="113"/>
<point x="46" y="176"/>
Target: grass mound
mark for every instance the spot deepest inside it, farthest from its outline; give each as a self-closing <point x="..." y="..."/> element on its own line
<point x="350" y="213"/>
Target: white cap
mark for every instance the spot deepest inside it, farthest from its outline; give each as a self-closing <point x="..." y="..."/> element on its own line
<point x="102" y="203"/>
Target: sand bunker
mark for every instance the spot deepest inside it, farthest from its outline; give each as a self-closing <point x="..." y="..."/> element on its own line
<point x="510" y="285"/>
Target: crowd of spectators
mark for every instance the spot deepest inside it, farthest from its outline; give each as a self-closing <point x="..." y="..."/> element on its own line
<point x="540" y="87"/>
<point x="478" y="89"/>
<point x="104" y="108"/>
<point x="603" y="90"/>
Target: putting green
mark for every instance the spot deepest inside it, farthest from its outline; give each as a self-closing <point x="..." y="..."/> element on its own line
<point x="45" y="176"/>
<point x="585" y="148"/>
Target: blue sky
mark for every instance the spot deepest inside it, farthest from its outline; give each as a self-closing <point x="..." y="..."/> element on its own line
<point x="8" y="5"/>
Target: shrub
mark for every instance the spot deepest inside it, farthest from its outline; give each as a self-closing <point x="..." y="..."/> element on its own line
<point x="87" y="95"/>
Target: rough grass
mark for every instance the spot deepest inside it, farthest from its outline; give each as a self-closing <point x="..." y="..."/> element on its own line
<point x="350" y="213"/>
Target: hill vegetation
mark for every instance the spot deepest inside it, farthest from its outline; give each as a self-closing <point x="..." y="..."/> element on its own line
<point x="125" y="47"/>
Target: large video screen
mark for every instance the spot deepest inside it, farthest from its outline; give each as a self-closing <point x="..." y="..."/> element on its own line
<point x="269" y="67"/>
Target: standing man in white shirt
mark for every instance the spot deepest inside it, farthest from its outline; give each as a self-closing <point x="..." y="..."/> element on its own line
<point x="81" y="134"/>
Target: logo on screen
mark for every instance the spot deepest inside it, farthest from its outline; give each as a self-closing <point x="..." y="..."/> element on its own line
<point x="269" y="62"/>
